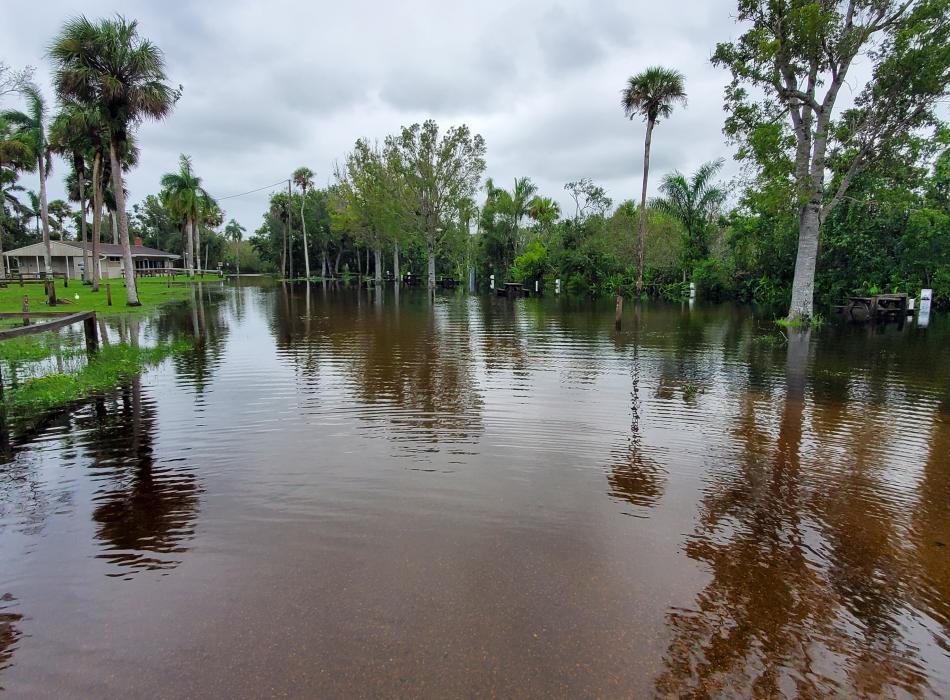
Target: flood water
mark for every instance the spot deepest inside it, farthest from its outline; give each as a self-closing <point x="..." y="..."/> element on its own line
<point x="343" y="494"/>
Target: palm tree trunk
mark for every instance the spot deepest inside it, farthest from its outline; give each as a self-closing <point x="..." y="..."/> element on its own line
<point x="80" y="175"/>
<point x="190" y="247"/>
<point x="96" y="216"/>
<point x="44" y="215"/>
<point x="641" y="229"/>
<point x="283" y="255"/>
<point x="115" y="228"/>
<point x="131" y="292"/>
<point x="237" y="256"/>
<point x="196" y="238"/>
<point x="303" y="224"/>
<point x="396" y="262"/>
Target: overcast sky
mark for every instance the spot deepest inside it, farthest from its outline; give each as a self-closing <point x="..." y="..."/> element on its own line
<point x="269" y="86"/>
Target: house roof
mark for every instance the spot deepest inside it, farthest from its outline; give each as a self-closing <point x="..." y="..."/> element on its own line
<point x="75" y="249"/>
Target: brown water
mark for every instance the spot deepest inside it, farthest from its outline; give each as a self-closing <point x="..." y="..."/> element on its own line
<point x="336" y="495"/>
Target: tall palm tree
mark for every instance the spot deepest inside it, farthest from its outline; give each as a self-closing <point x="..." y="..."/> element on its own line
<point x="235" y="232"/>
<point x="652" y="95"/>
<point x="71" y="134"/>
<point x="303" y="178"/>
<point x="693" y="201"/>
<point x="211" y="218"/>
<point x="108" y="65"/>
<point x="33" y="125"/>
<point x="184" y="196"/>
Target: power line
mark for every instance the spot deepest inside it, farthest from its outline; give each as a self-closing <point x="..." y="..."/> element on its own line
<point x="232" y="196"/>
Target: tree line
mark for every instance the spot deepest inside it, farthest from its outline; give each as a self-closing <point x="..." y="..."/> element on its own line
<point x="836" y="195"/>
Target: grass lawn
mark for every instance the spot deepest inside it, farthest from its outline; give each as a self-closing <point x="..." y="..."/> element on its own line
<point x="152" y="292"/>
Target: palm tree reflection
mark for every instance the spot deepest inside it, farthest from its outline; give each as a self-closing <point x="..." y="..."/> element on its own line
<point x="635" y="477"/>
<point x="145" y="512"/>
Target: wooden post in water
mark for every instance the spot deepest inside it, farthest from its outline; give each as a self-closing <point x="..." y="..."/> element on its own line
<point x="618" y="314"/>
<point x="26" y="310"/>
<point x="92" y="335"/>
<point x="109" y="294"/>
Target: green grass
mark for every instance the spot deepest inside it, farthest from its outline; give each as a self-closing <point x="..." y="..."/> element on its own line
<point x="816" y="321"/>
<point x="111" y="366"/>
<point x="152" y="293"/>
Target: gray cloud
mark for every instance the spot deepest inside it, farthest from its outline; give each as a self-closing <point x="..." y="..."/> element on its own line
<point x="268" y="87"/>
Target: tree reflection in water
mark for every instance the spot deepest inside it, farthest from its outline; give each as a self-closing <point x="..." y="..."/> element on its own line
<point x="10" y="633"/>
<point x="787" y="612"/>
<point x="145" y="511"/>
<point x="634" y="477"/>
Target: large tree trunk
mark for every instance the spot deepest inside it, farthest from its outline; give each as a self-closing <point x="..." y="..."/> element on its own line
<point x="115" y="228"/>
<point x="642" y="227"/>
<point x="283" y="255"/>
<point x="131" y="292"/>
<point x="190" y="247"/>
<point x="396" y="262"/>
<point x="336" y="261"/>
<point x="44" y="216"/>
<point x="378" y="262"/>
<point x="303" y="225"/>
<point x="431" y="250"/>
<point x="323" y="264"/>
<point x="803" y="284"/>
<point x="359" y="264"/>
<point x="96" y="217"/>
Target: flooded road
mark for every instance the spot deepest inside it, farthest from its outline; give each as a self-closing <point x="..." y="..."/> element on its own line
<point x="337" y="494"/>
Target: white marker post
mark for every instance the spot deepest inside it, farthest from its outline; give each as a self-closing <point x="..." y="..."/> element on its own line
<point x="536" y="286"/>
<point x="491" y="282"/>
<point x="692" y="290"/>
<point x="923" y="316"/>
<point x="557" y="286"/>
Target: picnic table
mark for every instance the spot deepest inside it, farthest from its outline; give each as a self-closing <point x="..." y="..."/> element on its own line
<point x="878" y="305"/>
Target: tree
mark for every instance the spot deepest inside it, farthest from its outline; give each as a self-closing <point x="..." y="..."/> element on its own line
<point x="693" y="201"/>
<point x="59" y="211"/>
<point x="544" y="210"/>
<point x="796" y="55"/>
<point x="589" y="199"/>
<point x="16" y="155"/>
<point x="33" y="125"/>
<point x="184" y="196"/>
<point x="303" y="178"/>
<point x="14" y="81"/>
<point x="516" y="204"/>
<point x="235" y="232"/>
<point x="652" y="95"/>
<point x="71" y="135"/>
<point x="438" y="175"/>
<point x="109" y="66"/>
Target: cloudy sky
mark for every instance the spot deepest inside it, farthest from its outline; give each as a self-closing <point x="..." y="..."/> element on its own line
<point x="271" y="86"/>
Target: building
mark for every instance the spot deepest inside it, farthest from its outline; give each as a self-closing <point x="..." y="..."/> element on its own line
<point x="67" y="257"/>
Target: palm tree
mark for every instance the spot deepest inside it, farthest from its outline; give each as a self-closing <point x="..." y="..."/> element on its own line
<point x="72" y="134"/>
<point x="693" y="201"/>
<point x="544" y="210"/>
<point x="184" y="196"/>
<point x="303" y="178"/>
<point x="211" y="218"/>
<point x="108" y="65"/>
<point x="651" y="95"/>
<point x="15" y="156"/>
<point x="235" y="232"/>
<point x="33" y="125"/>
<point x="59" y="211"/>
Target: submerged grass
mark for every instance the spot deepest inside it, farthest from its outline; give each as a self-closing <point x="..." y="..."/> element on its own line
<point x="152" y="293"/>
<point x="110" y="367"/>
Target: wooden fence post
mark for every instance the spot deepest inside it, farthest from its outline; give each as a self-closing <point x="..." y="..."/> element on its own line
<point x="109" y="294"/>
<point x="26" y="309"/>
<point x="92" y="335"/>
